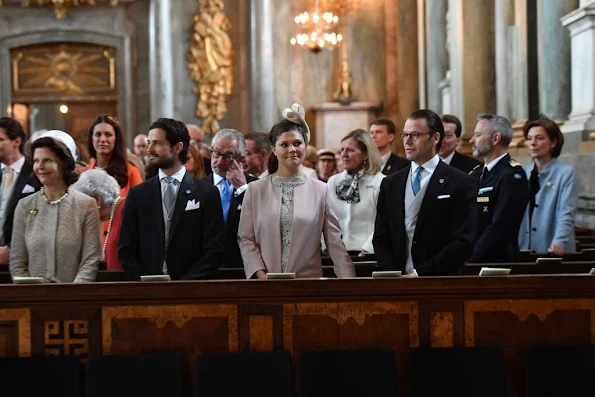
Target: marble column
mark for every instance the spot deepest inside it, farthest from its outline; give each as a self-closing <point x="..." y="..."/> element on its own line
<point x="553" y="49"/>
<point x="522" y="45"/>
<point x="436" y="52"/>
<point x="503" y="18"/>
<point x="161" y="67"/>
<point x="581" y="120"/>
<point x="262" y="92"/>
<point x="472" y="62"/>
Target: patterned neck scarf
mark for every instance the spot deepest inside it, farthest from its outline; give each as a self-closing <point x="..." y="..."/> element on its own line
<point x="347" y="189"/>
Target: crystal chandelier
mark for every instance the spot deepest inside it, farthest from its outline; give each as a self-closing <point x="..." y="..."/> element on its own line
<point x="61" y="7"/>
<point x="317" y="30"/>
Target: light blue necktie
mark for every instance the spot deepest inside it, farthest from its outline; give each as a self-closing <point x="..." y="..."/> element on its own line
<point x="416" y="184"/>
<point x="225" y="197"/>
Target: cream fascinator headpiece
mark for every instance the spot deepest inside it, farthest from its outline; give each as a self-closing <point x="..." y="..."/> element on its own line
<point x="297" y="115"/>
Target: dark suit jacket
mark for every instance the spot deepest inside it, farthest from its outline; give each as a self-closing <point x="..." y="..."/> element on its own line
<point x="394" y="164"/>
<point x="500" y="209"/>
<point x="232" y="255"/>
<point x="26" y="177"/>
<point x="195" y="249"/>
<point x="446" y="227"/>
<point x="463" y="163"/>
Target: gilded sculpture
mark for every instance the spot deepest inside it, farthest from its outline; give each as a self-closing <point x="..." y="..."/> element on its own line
<point x="210" y="62"/>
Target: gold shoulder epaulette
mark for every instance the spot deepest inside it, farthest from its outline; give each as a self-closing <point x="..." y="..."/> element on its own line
<point x="514" y="163"/>
<point x="474" y="168"/>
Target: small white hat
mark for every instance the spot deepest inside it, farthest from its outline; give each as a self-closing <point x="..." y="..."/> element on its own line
<point x="63" y="137"/>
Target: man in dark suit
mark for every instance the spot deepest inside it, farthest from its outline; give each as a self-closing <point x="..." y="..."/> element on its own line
<point x="383" y="132"/>
<point x="172" y="223"/>
<point x="228" y="149"/>
<point x="452" y="138"/>
<point x="16" y="180"/>
<point x="425" y="220"/>
<point x="502" y="195"/>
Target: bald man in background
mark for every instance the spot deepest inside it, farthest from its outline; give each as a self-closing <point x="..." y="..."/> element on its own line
<point x="140" y="148"/>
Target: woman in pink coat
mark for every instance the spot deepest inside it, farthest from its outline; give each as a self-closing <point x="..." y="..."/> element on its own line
<point x="284" y="214"/>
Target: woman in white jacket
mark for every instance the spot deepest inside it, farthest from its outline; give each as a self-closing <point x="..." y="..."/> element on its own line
<point x="354" y="192"/>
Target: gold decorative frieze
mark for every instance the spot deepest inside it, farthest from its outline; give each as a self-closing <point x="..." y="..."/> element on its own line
<point x="61" y="7"/>
<point x="63" y="70"/>
<point x="210" y="62"/>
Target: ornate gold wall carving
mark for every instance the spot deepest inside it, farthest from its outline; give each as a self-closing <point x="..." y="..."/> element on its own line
<point x="210" y="62"/>
<point x="64" y="71"/>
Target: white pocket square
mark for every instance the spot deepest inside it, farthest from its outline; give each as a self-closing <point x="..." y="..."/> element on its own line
<point x="28" y="189"/>
<point x="444" y="196"/>
<point x="192" y="205"/>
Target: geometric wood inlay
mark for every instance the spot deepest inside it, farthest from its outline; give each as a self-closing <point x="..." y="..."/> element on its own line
<point x="207" y="327"/>
<point x="22" y="318"/>
<point x="66" y="338"/>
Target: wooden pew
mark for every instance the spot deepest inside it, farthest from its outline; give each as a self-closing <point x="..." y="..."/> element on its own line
<point x="515" y="312"/>
<point x="362" y="269"/>
<point x="528" y="268"/>
<point x="584" y="255"/>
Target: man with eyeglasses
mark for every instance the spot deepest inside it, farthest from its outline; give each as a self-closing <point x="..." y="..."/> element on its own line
<point x="228" y="149"/>
<point x="502" y="195"/>
<point x="425" y="219"/>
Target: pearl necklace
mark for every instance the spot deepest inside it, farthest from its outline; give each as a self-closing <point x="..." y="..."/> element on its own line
<point x="55" y="202"/>
<point x="109" y="226"/>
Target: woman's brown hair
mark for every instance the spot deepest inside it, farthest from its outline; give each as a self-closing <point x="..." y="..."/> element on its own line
<point x="552" y="130"/>
<point x="118" y="165"/>
<point x="199" y="164"/>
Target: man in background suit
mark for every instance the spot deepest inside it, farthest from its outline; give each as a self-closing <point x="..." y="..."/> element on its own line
<point x="452" y="138"/>
<point x="172" y="223"/>
<point x="425" y="221"/>
<point x="383" y="132"/>
<point x="228" y="149"/>
<point x="502" y="195"/>
<point x="258" y="150"/>
<point x="17" y="179"/>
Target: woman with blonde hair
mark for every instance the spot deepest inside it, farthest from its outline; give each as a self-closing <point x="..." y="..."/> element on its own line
<point x="286" y="237"/>
<point x="354" y="192"/>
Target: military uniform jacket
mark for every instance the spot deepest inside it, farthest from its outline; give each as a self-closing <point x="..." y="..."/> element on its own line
<point x="502" y="197"/>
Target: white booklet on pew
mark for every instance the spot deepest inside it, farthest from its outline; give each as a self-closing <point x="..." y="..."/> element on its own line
<point x="592" y="271"/>
<point x="387" y="274"/>
<point x="494" y="271"/>
<point x="155" y="277"/>
<point x="280" y="276"/>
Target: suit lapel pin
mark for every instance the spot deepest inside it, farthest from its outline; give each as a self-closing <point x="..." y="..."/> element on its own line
<point x="188" y="191"/>
<point x="441" y="180"/>
<point x="388" y="167"/>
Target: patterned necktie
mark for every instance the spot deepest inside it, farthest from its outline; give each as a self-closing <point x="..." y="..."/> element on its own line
<point x="169" y="196"/>
<point x="225" y="197"/>
<point x="416" y="184"/>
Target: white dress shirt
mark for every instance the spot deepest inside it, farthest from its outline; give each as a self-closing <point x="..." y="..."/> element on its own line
<point x="17" y="166"/>
<point x="493" y="163"/>
<point x="428" y="170"/>
<point x="448" y="158"/>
